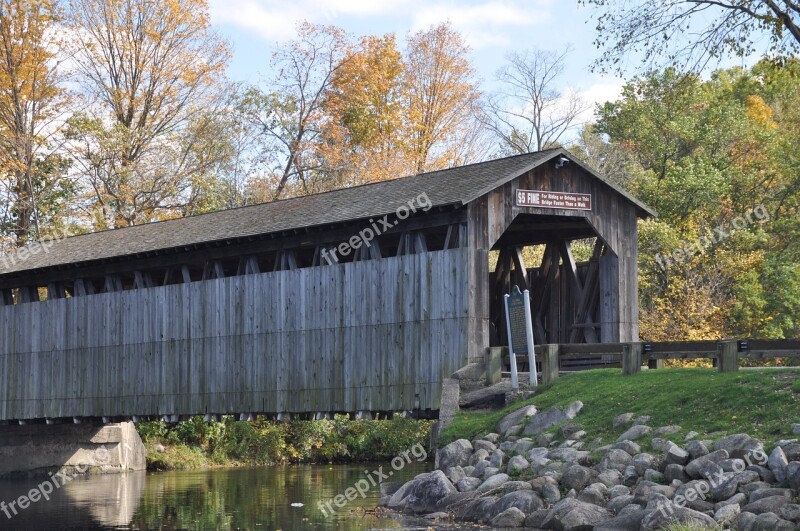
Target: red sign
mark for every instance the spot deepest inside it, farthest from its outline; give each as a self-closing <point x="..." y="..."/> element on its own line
<point x="544" y="199"/>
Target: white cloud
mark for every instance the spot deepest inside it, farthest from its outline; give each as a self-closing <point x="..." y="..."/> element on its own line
<point x="482" y="22"/>
<point x="599" y="93"/>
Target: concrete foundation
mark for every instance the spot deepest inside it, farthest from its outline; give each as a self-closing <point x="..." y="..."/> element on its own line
<point x="72" y="448"/>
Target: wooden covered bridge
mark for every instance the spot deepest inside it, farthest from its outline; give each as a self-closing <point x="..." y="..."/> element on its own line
<point x="360" y="299"/>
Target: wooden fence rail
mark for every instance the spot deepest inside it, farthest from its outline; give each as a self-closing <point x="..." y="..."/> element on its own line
<point x="726" y="354"/>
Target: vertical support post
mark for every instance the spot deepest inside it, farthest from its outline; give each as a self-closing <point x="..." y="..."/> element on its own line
<point x="655" y="364"/>
<point x="728" y="352"/>
<point x="494" y="365"/>
<point x="511" y="355"/>
<point x="549" y="363"/>
<point x="533" y="377"/>
<point x="632" y="359"/>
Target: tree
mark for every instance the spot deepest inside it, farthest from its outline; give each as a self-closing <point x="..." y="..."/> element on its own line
<point x="366" y="131"/>
<point x="290" y="113"/>
<point x="689" y="33"/>
<point x="148" y="70"/>
<point x="32" y="180"/>
<point x="443" y="100"/>
<point x="530" y="113"/>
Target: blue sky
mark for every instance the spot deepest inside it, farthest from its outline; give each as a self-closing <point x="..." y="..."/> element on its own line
<point x="492" y="28"/>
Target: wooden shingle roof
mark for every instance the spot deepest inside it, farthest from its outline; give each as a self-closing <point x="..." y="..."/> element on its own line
<point x="455" y="186"/>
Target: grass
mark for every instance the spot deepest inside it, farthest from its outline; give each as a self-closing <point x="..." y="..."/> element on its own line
<point x="762" y="403"/>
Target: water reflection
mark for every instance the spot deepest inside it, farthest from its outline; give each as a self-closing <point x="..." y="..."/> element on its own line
<point x="225" y="499"/>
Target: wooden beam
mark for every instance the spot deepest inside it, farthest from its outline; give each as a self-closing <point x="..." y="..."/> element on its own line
<point x="6" y="297"/>
<point x="142" y="279"/>
<point x="112" y="283"/>
<point x="55" y="290"/>
<point x="520" y="272"/>
<point x="212" y="270"/>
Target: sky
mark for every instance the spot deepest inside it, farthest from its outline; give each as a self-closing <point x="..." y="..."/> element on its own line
<point x="492" y="28"/>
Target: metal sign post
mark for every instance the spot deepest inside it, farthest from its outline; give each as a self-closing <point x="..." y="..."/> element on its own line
<point x="512" y="356"/>
<point x="520" y="333"/>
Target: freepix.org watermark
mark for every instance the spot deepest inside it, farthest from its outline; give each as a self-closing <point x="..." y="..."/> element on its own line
<point x="372" y="480"/>
<point x="364" y="238"/>
<point x="701" y="488"/>
<point x="29" y="251"/>
<point x="712" y="237"/>
<point x="43" y="490"/>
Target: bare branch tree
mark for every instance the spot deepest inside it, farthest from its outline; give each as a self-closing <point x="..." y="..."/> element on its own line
<point x="690" y="33"/>
<point x="530" y="113"/>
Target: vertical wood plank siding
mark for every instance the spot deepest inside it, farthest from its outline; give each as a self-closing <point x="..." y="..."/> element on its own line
<point x="373" y="335"/>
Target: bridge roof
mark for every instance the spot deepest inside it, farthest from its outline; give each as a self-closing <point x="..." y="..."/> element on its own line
<point x="455" y="186"/>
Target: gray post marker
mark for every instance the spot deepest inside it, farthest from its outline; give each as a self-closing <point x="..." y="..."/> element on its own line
<point x="514" y="381"/>
<point x="534" y="378"/>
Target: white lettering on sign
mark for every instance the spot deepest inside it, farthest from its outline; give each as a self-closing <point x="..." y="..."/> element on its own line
<point x="545" y="199"/>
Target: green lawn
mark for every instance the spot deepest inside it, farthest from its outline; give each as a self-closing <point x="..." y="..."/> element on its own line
<point x="762" y="403"/>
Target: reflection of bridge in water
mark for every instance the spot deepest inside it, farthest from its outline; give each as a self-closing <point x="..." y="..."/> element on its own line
<point x="223" y="499"/>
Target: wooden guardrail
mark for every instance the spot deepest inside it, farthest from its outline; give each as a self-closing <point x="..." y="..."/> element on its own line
<point x="726" y="354"/>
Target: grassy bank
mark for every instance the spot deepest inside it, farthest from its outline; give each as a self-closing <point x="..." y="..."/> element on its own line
<point x="763" y="403"/>
<point x="197" y="444"/>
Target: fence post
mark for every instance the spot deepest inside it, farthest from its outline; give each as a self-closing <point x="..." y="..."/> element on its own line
<point x="549" y="363"/>
<point x="655" y="364"/>
<point x="632" y="358"/>
<point x="728" y="356"/>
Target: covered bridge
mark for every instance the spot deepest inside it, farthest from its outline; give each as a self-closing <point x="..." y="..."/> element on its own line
<point x="360" y="299"/>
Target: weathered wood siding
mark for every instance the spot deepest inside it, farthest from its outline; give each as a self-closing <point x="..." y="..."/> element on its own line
<point x="375" y="335"/>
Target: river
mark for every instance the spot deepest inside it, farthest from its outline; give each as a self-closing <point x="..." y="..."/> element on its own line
<point x="224" y="499"/>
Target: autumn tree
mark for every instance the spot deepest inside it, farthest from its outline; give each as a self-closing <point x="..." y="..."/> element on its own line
<point x="530" y="112"/>
<point x="32" y="181"/>
<point x="443" y="100"/>
<point x="689" y="33"/>
<point x="366" y="129"/>
<point x="150" y="72"/>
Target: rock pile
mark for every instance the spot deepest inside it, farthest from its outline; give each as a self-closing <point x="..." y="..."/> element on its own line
<point x="523" y="477"/>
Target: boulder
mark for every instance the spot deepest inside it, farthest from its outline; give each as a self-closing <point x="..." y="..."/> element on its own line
<point x="456" y="474"/>
<point x="666" y="430"/>
<point x="422" y="494"/>
<point x="616" y="504"/>
<point x="496" y="459"/>
<point x="739" y="445"/>
<point x="621" y="420"/>
<point x="760" y="494"/>
<point x="536" y="518"/>
<point x="629" y="446"/>
<point x="593" y="495"/>
<point x="577" y="477"/>
<point x="457" y="453"/>
<point x="675" y="455"/>
<point x="644" y="461"/>
<point x="509" y="518"/>
<point x="771" y="522"/>
<point x="468" y="484"/>
<point x="492" y="482"/>
<point x="571" y="515"/>
<point x="547" y="419"/>
<point x="526" y="501"/>
<point x="629" y="520"/>
<point x="675" y="472"/>
<point x="791" y="511"/>
<point x="793" y="474"/>
<point x="610" y="478"/>
<point x="570" y="429"/>
<point x="771" y="504"/>
<point x="521" y="446"/>
<point x="517" y="464"/>
<point x="515" y="417"/>
<point x="662" y="518"/>
<point x="727" y="514"/>
<point x="729" y="487"/>
<point x="764" y="473"/>
<point x="777" y="463"/>
<point x="479" y="455"/>
<point x="696" y="449"/>
<point x="707" y="465"/>
<point x="483" y="444"/>
<point x="615" y="460"/>
<point x="633" y="433"/>
<point x="490" y="471"/>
